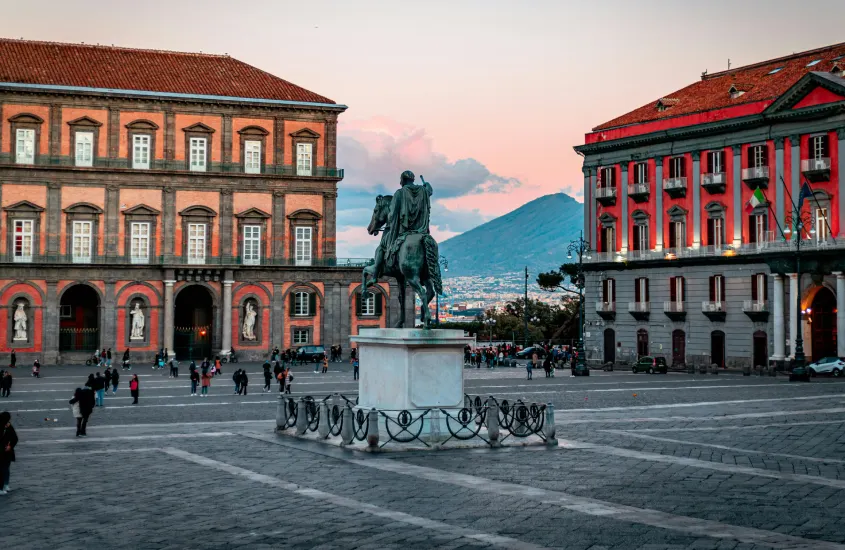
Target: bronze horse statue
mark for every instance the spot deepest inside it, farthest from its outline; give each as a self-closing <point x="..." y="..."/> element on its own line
<point x="417" y="264"/>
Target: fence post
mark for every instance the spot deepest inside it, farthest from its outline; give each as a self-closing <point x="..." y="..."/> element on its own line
<point x="549" y="428"/>
<point x="493" y="423"/>
<point x="281" y="414"/>
<point x="301" y="420"/>
<point x="323" y="424"/>
<point x="347" y="430"/>
<point x="372" y="429"/>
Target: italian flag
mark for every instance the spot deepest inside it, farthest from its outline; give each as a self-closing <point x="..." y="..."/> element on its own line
<point x="757" y="199"/>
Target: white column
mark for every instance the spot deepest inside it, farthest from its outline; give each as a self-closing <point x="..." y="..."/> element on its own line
<point x="840" y="313"/>
<point x="168" y="316"/>
<point x="227" y="316"/>
<point x="793" y="311"/>
<point x="779" y="337"/>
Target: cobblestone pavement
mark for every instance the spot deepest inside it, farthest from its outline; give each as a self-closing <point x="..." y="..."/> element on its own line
<point x="660" y="461"/>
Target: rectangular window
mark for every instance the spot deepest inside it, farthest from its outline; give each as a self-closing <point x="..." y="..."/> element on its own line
<point x="196" y="243"/>
<point x="301" y="303"/>
<point x="759" y="290"/>
<point x="252" y="244"/>
<point x="717" y="288"/>
<point x="641" y="290"/>
<point x="300" y="336"/>
<point x="676" y="290"/>
<point x="81" y="241"/>
<point x="716" y="232"/>
<point x="84" y="149"/>
<point x="758" y="156"/>
<point x="822" y="234"/>
<point x="608" y="177"/>
<point x="608" y="240"/>
<point x="252" y="157"/>
<point x="139" y="242"/>
<point x="303" y="159"/>
<point x="198" y="154"/>
<point x="818" y="147"/>
<point x="640" y="237"/>
<point x="608" y="291"/>
<point x="368" y="304"/>
<point x="66" y="312"/>
<point x="677" y="167"/>
<point x="25" y="146"/>
<point x="641" y="173"/>
<point x="302" y="252"/>
<point x="716" y="162"/>
<point x="24" y="240"/>
<point x="677" y="235"/>
<point x="140" y="151"/>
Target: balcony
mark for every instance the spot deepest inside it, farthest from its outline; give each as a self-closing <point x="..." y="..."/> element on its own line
<point x="715" y="311"/>
<point x="606" y="195"/>
<point x="757" y="310"/>
<point x="756" y="177"/>
<point x="606" y="310"/>
<point x="816" y="170"/>
<point x="639" y="310"/>
<point x="714" y="183"/>
<point x="675" y="310"/>
<point x="675" y="187"/>
<point x="176" y="261"/>
<point x="639" y="191"/>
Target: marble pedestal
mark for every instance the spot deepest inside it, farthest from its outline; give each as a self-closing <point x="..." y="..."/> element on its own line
<point x="412" y="370"/>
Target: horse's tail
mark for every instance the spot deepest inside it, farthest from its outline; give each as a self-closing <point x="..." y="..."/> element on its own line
<point x="432" y="260"/>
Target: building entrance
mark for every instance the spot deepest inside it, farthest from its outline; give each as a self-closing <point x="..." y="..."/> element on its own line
<point x="79" y="319"/>
<point x="679" y="349"/>
<point x="193" y="324"/>
<point x="609" y="345"/>
<point x="761" y="349"/>
<point x="642" y="342"/>
<point x="823" y="324"/>
<point x="717" y="348"/>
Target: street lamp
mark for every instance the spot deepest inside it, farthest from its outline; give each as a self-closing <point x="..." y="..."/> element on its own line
<point x="580" y="249"/>
<point x="490" y="322"/>
<point x="445" y="263"/>
<point x="799" y="223"/>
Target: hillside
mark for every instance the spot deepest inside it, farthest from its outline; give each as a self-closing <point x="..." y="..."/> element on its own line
<point x="535" y="234"/>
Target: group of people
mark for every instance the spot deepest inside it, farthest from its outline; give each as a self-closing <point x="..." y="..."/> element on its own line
<point x="336" y="354"/>
<point x="104" y="357"/>
<point x="99" y="384"/>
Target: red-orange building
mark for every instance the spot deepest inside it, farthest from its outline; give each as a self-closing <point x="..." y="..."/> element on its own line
<point x="198" y="187"/>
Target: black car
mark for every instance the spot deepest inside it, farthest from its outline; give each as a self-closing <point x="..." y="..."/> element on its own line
<point x="310" y="354"/>
<point x="528" y="352"/>
<point x="649" y="364"/>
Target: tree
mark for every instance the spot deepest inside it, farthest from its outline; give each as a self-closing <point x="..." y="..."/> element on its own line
<point x="563" y="278"/>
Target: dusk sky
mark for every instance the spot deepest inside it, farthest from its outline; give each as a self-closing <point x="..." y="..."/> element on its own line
<point x="484" y="98"/>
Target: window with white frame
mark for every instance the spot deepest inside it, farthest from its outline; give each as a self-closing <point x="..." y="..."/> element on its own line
<point x="368" y="304"/>
<point x="608" y="177"/>
<point x="141" y="151"/>
<point x="198" y="154"/>
<point x="252" y="157"/>
<point x="608" y="239"/>
<point x="716" y="231"/>
<point x="24" y="239"/>
<point x="716" y="162"/>
<point x="81" y="241"/>
<point x="252" y="244"/>
<point x="196" y="243"/>
<point x="300" y="336"/>
<point x="759" y="290"/>
<point x="139" y="242"/>
<point x="822" y="234"/>
<point x="303" y="159"/>
<point x="818" y="147"/>
<point x="84" y="149"/>
<point x="640" y="236"/>
<point x="25" y="146"/>
<point x="677" y="234"/>
<point x="677" y="167"/>
<point x="717" y="288"/>
<point x="301" y="301"/>
<point x="303" y="240"/>
<point x="758" y="156"/>
<point x="641" y="173"/>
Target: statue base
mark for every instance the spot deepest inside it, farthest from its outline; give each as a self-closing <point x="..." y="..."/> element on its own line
<point x="409" y="375"/>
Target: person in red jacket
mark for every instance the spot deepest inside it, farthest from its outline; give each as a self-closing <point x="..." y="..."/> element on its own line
<point x="133" y="388"/>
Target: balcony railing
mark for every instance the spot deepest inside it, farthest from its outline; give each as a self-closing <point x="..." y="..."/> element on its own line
<point x="638" y="191"/>
<point x="817" y="169"/>
<point x="605" y="192"/>
<point x="170" y="260"/>
<point x="757" y="176"/>
<point x="673" y="307"/>
<point x="639" y="307"/>
<point x="713" y="307"/>
<point x="605" y="307"/>
<point x="675" y="187"/>
<point x="755" y="306"/>
<point x="714" y="182"/>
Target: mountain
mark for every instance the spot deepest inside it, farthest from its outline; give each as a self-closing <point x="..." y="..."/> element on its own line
<point x="536" y="234"/>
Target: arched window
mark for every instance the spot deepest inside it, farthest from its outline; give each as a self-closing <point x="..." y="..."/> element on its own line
<point x="369" y="304"/>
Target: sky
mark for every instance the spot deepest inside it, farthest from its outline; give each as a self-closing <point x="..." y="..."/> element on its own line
<point x="485" y="98"/>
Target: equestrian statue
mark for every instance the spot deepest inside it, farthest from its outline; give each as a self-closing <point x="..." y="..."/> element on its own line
<point x="407" y="252"/>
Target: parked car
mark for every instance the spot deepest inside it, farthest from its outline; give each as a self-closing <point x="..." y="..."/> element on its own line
<point x="529" y="351"/>
<point x="650" y="364"/>
<point x="828" y="365"/>
<point x="310" y="354"/>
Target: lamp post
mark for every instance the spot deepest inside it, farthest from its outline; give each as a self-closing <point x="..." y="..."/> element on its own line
<point x="580" y="249"/>
<point x="525" y="313"/>
<point x="799" y="223"/>
<point x="490" y="322"/>
<point x="445" y="263"/>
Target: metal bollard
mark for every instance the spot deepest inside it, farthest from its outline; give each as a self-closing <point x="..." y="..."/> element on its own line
<point x="549" y="428"/>
<point x="281" y="414"/>
<point x="323" y="424"/>
<point x="347" y="430"/>
<point x="493" y="423"/>
<point x="301" y="420"/>
<point x="372" y="429"/>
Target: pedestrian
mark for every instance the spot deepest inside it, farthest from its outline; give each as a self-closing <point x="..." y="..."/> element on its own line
<point x="195" y="379"/>
<point x="236" y="378"/>
<point x="97" y="356"/>
<point x="36" y="369"/>
<point x="155" y="361"/>
<point x="244" y="382"/>
<point x="115" y="378"/>
<point x="206" y="382"/>
<point x="99" y="389"/>
<point x="107" y="380"/>
<point x="278" y="370"/>
<point x="161" y="361"/>
<point x="218" y="366"/>
<point x="126" y="363"/>
<point x="268" y="377"/>
<point x="6" y="385"/>
<point x="174" y="367"/>
<point x="531" y="364"/>
<point x="134" y="388"/>
<point x="339" y="354"/>
<point x="8" y="440"/>
<point x="317" y="363"/>
<point x="108" y="358"/>
<point x="547" y="366"/>
<point x="355" y="368"/>
<point x="90" y="382"/>
<point x="13" y="359"/>
<point x="325" y="364"/>
<point x="102" y="358"/>
<point x="82" y="405"/>
<point x="288" y="381"/>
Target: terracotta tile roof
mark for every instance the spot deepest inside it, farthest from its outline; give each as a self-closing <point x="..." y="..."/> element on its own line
<point x="713" y="90"/>
<point x="52" y="63"/>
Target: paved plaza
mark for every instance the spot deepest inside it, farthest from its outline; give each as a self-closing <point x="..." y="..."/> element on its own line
<point x="643" y="461"/>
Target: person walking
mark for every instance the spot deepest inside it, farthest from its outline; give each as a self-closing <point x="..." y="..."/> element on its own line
<point x="13" y="359"/>
<point x="268" y="377"/>
<point x="98" y="388"/>
<point x="278" y="372"/>
<point x="36" y="369"/>
<point x="90" y="382"/>
<point x="547" y="366"/>
<point x="126" y="363"/>
<point x="325" y="364"/>
<point x="82" y="405"/>
<point x="6" y="385"/>
<point x="218" y="366"/>
<point x="115" y="378"/>
<point x="106" y="380"/>
<point x="174" y="368"/>
<point x="206" y="382"/>
<point x="244" y="382"/>
<point x="195" y="379"/>
<point x="531" y="364"/>
<point x="354" y="368"/>
<point x="102" y="358"/>
<point x="108" y="357"/>
<point x="236" y="378"/>
<point x="134" y="388"/>
<point x="288" y="381"/>
<point x="8" y="440"/>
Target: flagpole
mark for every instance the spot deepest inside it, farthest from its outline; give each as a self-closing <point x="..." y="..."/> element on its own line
<point x="795" y="210"/>
<point x="826" y="223"/>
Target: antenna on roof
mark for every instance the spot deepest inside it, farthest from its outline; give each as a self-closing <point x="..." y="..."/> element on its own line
<point x="729" y="63"/>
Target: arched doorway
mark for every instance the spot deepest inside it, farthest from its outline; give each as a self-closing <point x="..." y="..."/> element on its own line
<point x="642" y="342"/>
<point x="609" y="345"/>
<point x="193" y="323"/>
<point x="717" y="348"/>
<point x="79" y="319"/>
<point x="679" y="347"/>
<point x="823" y="324"/>
<point x="761" y="349"/>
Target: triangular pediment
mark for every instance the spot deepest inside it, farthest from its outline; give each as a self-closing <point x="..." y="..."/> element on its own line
<point x="676" y="211"/>
<point x="84" y="121"/>
<point x="607" y="218"/>
<point x="813" y="89"/>
<point x="23" y="206"/>
<point x="305" y="133"/>
<point x="141" y="210"/>
<point x="253" y="213"/>
<point x="199" y="127"/>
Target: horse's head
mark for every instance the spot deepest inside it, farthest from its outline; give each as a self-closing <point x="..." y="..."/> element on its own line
<point x="379" y="218"/>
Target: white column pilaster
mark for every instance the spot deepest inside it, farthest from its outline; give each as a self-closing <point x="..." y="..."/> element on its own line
<point x="168" y="316"/>
<point x="840" y="313"/>
<point x="736" y="151"/>
<point x="793" y="311"/>
<point x="779" y="336"/>
<point x="227" y="316"/>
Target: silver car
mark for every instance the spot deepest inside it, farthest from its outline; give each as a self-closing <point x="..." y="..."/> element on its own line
<point x="827" y="365"/>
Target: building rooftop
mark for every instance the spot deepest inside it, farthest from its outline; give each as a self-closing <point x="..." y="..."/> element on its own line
<point x="95" y="66"/>
<point x="762" y="81"/>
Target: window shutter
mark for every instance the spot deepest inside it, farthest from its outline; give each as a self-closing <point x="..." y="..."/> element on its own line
<point x="752" y="233"/>
<point x="825" y="148"/>
<point x="673" y="296"/>
<point x="754" y="287"/>
<point x="378" y="303"/>
<point x="722" y="287"/>
<point x="765" y="150"/>
<point x="765" y="287"/>
<point x="358" y="302"/>
<point x="712" y="286"/>
<point x="637" y="230"/>
<point x="604" y="296"/>
<point x="673" y="241"/>
<point x="749" y="157"/>
<point x="765" y="222"/>
<point x="636" y="290"/>
<point x="312" y="304"/>
<point x="710" y="232"/>
<point x="646" y="291"/>
<point x="613" y="290"/>
<point x="683" y="289"/>
<point x="292" y="298"/>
